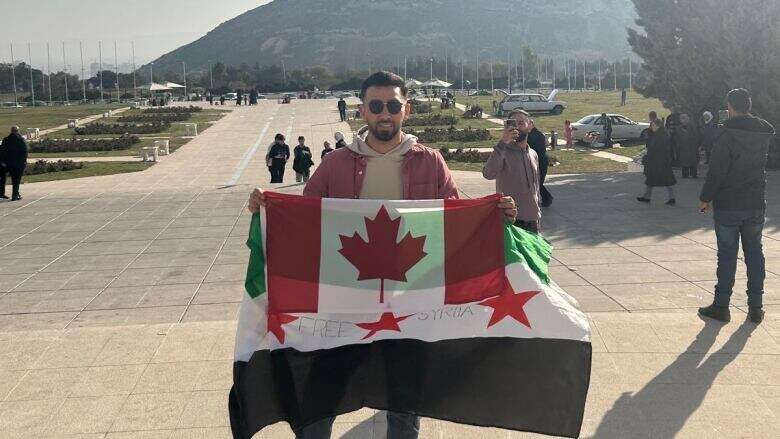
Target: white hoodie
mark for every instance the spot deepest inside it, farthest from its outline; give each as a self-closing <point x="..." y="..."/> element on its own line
<point x="383" y="179"/>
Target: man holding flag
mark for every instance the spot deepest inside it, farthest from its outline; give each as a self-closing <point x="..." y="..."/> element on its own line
<point x="332" y="323"/>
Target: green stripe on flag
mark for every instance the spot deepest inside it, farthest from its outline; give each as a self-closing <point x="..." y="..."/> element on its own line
<point x="522" y="246"/>
<point x="255" y="272"/>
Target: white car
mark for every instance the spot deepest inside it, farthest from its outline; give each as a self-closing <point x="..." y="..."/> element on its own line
<point x="532" y="103"/>
<point x="622" y="127"/>
<point x="231" y="96"/>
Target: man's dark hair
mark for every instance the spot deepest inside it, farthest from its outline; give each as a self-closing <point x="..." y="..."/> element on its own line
<point x="514" y="113"/>
<point x="658" y="123"/>
<point x="279" y="137"/>
<point x="653" y="115"/>
<point x="383" y="79"/>
<point x="301" y="137"/>
<point x="739" y="99"/>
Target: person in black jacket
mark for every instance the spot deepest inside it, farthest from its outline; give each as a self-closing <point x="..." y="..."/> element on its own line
<point x="302" y="162"/>
<point x="538" y="142"/>
<point x="326" y="149"/>
<point x="277" y="157"/>
<point x="13" y="160"/>
<point x="342" y="109"/>
<point x="688" y="147"/>
<point x="607" y="130"/>
<point x="658" y="163"/>
<point x="736" y="191"/>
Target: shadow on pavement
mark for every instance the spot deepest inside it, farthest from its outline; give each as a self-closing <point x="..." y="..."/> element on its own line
<point x="662" y="407"/>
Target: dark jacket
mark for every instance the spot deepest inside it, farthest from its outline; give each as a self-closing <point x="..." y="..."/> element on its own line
<point x="658" y="160"/>
<point x="709" y="133"/>
<point x="342" y="104"/>
<point x="737" y="176"/>
<point x="278" y="150"/>
<point x="326" y="152"/>
<point x="687" y="146"/>
<point x="538" y="143"/>
<point x="341" y="144"/>
<point x="302" y="161"/>
<point x="13" y="153"/>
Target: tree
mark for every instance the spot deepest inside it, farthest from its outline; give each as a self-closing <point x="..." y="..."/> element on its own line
<point x="695" y="51"/>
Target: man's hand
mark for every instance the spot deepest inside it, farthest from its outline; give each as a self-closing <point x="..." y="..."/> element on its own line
<point x="510" y="135"/>
<point x="703" y="206"/>
<point x="507" y="204"/>
<point x="256" y="200"/>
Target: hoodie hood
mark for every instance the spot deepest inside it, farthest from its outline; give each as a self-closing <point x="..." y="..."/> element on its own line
<point x="360" y="146"/>
<point x="749" y="124"/>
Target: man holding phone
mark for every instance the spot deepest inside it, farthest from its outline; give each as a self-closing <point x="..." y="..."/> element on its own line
<point x="515" y="167"/>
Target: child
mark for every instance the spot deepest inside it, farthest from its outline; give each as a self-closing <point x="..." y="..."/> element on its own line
<point x="567" y="134"/>
<point x="327" y="149"/>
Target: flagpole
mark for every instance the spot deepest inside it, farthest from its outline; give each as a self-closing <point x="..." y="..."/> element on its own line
<point x="100" y="60"/>
<point x="65" y="69"/>
<point x="132" y="54"/>
<point x="83" y="75"/>
<point x="13" y="75"/>
<point x="184" y="68"/>
<point x="116" y="73"/>
<point x="48" y="62"/>
<point x="32" y="82"/>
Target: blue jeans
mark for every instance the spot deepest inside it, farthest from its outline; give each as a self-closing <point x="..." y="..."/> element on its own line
<point x="399" y="426"/>
<point x="730" y="226"/>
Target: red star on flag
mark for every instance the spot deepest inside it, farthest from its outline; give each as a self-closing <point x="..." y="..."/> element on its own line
<point x="509" y="304"/>
<point x="275" y="322"/>
<point x="388" y="322"/>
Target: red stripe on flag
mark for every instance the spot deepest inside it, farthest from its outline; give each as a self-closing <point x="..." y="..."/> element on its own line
<point x="473" y="250"/>
<point x="293" y="249"/>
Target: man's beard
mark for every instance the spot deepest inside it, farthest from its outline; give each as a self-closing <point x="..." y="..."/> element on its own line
<point x="521" y="137"/>
<point x="383" y="135"/>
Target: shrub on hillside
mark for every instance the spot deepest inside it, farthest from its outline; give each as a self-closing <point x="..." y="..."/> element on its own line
<point x="433" y="135"/>
<point x="169" y="110"/>
<point x="465" y="156"/>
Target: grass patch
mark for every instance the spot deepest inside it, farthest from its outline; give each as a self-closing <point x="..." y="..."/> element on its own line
<point x="627" y="151"/>
<point x="49" y="117"/>
<point x="90" y="169"/>
<point x="569" y="162"/>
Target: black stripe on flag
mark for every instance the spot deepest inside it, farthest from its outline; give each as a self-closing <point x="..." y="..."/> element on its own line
<point x="533" y="385"/>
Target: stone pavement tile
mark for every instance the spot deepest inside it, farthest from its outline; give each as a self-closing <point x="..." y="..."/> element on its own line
<point x="21" y="251"/>
<point x="222" y="292"/>
<point x="76" y="348"/>
<point x="215" y="375"/>
<point x="86" y="415"/>
<point x="141" y="434"/>
<point x="210" y="245"/>
<point x="134" y="316"/>
<point x="639" y="369"/>
<point x="280" y="430"/>
<point x="206" y="409"/>
<point x="20" y="419"/>
<point x="202" y="433"/>
<point x="169" y="377"/>
<point x="9" y="281"/>
<point x="628" y="337"/>
<point x="649" y="239"/>
<point x="431" y="428"/>
<point x="583" y="239"/>
<point x="124" y="224"/>
<point x="190" y="346"/>
<point x="565" y="277"/>
<point x="624" y="273"/>
<point x="108" y="380"/>
<point x="108" y="263"/>
<point x="47" y="384"/>
<point x="144" y="234"/>
<point x="233" y="255"/>
<point x="196" y="232"/>
<point x="161" y="276"/>
<point x="144" y="296"/>
<point x="21" y="350"/>
<point x="354" y="430"/>
<point x="598" y="255"/>
<point x="591" y="299"/>
<point x="45" y="301"/>
<point x="68" y="280"/>
<point x="132" y="345"/>
<point x="173" y="259"/>
<point x="37" y="321"/>
<point x="226" y="273"/>
<point x="109" y="248"/>
<point x="21" y="266"/>
<point x="661" y="295"/>
<point x="52" y="238"/>
<point x="151" y="412"/>
<point x="739" y="295"/>
<point x="8" y="381"/>
<point x="211" y="311"/>
<point x="214" y="220"/>
<point x="696" y="271"/>
<point x="770" y="394"/>
<point x="674" y="253"/>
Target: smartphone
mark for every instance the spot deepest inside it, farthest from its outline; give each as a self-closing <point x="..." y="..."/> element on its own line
<point x="510" y="123"/>
<point x="723" y="116"/>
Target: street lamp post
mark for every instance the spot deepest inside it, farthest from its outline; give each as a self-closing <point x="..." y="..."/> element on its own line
<point x="48" y="63"/>
<point x="83" y="76"/>
<point x="13" y="76"/>
<point x="65" y="70"/>
<point x="100" y="60"/>
<point x="184" y="68"/>
<point x="32" y="83"/>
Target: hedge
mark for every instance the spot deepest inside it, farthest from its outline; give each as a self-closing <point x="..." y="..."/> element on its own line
<point x="156" y="118"/>
<point x="431" y="120"/>
<point x="45" y="167"/>
<point x="433" y="135"/>
<point x="465" y="156"/>
<point x="104" y="128"/>
<point x="83" y="145"/>
<point x="169" y="110"/>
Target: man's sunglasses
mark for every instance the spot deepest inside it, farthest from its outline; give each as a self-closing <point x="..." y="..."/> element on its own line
<point x="393" y="106"/>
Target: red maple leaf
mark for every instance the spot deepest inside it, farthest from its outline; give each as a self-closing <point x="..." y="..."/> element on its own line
<point x="382" y="257"/>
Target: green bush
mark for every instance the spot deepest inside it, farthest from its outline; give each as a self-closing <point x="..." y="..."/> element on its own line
<point x="104" y="128"/>
<point x="465" y="156"/>
<point x="431" y="120"/>
<point x="45" y="167"/>
<point x="169" y="110"/>
<point x="156" y="118"/>
<point x="420" y="107"/>
<point x="433" y="135"/>
<point x="83" y="145"/>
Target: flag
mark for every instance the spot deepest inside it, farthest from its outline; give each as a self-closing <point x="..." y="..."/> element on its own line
<point x="435" y="307"/>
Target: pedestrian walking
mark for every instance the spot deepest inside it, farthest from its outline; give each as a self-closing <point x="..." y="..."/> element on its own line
<point x="13" y="161"/>
<point x="222" y="100"/>
<point x="672" y="123"/>
<point x="239" y="97"/>
<point x="379" y="166"/>
<point x="568" y="134"/>
<point x="515" y="168"/>
<point x="607" y="130"/>
<point x="326" y="149"/>
<point x="302" y="161"/>
<point x="276" y="159"/>
<point x="623" y="97"/>
<point x="736" y="191"/>
<point x="342" y="105"/>
<point x="538" y="142"/>
<point x="658" y="164"/>
<point x="688" y="145"/>
<point x="709" y="134"/>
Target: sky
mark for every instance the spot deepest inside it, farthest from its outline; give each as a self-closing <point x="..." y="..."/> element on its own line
<point x="155" y="26"/>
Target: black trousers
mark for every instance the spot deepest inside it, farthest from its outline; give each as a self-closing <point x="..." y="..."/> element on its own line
<point x="343" y="114"/>
<point x="277" y="170"/>
<point x="16" y="180"/>
<point x="528" y="226"/>
<point x="543" y="192"/>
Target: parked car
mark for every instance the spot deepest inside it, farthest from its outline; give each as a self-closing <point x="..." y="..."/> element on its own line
<point x="231" y="97"/>
<point x="344" y="94"/>
<point x="532" y="103"/>
<point x="623" y="128"/>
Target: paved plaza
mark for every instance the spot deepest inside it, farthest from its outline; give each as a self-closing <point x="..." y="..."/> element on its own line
<point x="118" y="299"/>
